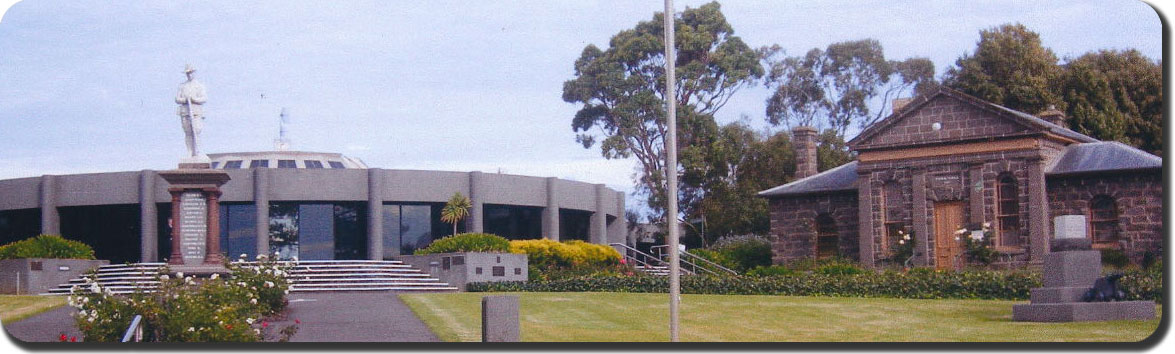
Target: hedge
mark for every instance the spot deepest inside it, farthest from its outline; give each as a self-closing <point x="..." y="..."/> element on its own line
<point x="467" y="242"/>
<point x="46" y="246"/>
<point x="891" y="284"/>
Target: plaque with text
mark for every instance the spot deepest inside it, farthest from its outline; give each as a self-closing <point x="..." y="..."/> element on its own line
<point x="193" y="226"/>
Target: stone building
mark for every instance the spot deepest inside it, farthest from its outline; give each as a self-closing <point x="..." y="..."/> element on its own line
<point x="946" y="161"/>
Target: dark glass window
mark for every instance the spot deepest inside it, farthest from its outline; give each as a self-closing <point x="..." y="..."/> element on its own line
<point x="827" y="240"/>
<point x="336" y="164"/>
<point x="1103" y="221"/>
<point x="283" y="230"/>
<point x="286" y="164"/>
<point x="112" y="230"/>
<point x="513" y="222"/>
<point x="16" y="225"/>
<point x="258" y="163"/>
<point x="215" y="163"/>
<point x="238" y="230"/>
<point x="232" y="164"/>
<point x="1008" y="211"/>
<point x="313" y="164"/>
<point x="575" y="225"/>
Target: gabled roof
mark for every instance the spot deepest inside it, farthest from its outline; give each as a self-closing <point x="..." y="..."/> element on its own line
<point x="1024" y="119"/>
<point x="840" y="178"/>
<point x="1103" y="156"/>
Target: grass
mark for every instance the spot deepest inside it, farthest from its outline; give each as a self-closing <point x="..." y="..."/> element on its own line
<point x="636" y="317"/>
<point x="18" y="307"/>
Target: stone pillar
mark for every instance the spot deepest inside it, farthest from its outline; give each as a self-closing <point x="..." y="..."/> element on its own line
<point x="804" y="141"/>
<point x="922" y="235"/>
<point x="148" y="218"/>
<point x="975" y="193"/>
<point x="50" y="220"/>
<point x="598" y="228"/>
<point x="618" y="231"/>
<point x="375" y="225"/>
<point x="475" y="223"/>
<point x="865" y="236"/>
<point x="261" y="205"/>
<point x="551" y="212"/>
<point x="1038" y="211"/>
<point x="177" y="255"/>
<point x="212" y="254"/>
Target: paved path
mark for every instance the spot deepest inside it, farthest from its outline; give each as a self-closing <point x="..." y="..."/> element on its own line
<point x="325" y="317"/>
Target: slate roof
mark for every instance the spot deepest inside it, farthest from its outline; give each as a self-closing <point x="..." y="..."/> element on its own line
<point x="1103" y="156"/>
<point x="840" y="178"/>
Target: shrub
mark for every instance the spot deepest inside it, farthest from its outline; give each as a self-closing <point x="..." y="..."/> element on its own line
<point x="467" y="242"/>
<point x="46" y="246"/>
<point x="743" y="252"/>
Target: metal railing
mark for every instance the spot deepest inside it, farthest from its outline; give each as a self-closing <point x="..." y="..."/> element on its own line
<point x="692" y="261"/>
<point x="134" y="332"/>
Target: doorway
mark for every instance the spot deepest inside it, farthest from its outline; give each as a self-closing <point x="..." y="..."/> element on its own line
<point x="948" y="217"/>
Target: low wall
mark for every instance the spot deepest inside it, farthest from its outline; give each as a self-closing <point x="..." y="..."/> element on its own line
<point x="459" y="269"/>
<point x="38" y="275"/>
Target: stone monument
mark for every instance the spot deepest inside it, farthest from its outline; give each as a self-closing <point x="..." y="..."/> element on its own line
<point x="1070" y="270"/>
<point x="195" y="192"/>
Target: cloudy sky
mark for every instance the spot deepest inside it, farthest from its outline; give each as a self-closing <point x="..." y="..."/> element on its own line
<point x="449" y="85"/>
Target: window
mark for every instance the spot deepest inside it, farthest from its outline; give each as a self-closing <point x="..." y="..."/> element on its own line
<point x="232" y="164"/>
<point x="1008" y="211"/>
<point x="827" y="240"/>
<point x="258" y="163"/>
<point x="1103" y="221"/>
<point x="336" y="164"/>
<point x="286" y="164"/>
<point x="313" y="164"/>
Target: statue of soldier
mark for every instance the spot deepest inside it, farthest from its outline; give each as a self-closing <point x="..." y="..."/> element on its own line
<point x="191" y="99"/>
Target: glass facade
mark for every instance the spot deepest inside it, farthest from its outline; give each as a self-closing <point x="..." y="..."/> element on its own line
<point x="238" y="233"/>
<point x="513" y="222"/>
<point x="16" y="225"/>
<point x="575" y="225"/>
<point x="407" y="228"/>
<point x="318" y="230"/>
<point x="111" y="230"/>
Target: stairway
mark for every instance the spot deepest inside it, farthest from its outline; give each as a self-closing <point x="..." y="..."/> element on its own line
<point x="304" y="276"/>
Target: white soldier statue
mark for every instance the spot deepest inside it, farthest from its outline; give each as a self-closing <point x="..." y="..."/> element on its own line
<point x="191" y="99"/>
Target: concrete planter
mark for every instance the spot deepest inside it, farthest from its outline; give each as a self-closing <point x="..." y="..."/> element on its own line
<point x="38" y="275"/>
<point x="459" y="269"/>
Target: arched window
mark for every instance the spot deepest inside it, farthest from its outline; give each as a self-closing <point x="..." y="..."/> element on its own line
<point x="1008" y="211"/>
<point x="1103" y="221"/>
<point x="827" y="240"/>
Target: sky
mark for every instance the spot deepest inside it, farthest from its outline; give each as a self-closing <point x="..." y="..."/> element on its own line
<point x="440" y="85"/>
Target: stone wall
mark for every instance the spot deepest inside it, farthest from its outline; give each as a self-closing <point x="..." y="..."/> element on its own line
<point x="1138" y="196"/>
<point x="793" y="224"/>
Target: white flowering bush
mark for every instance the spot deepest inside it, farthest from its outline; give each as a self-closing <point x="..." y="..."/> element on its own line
<point x="186" y="309"/>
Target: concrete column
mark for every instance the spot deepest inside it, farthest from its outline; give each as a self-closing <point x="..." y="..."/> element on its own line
<point x="921" y="232"/>
<point x="599" y="221"/>
<point x="618" y="231"/>
<point x="261" y="203"/>
<point x="865" y="220"/>
<point x="148" y="218"/>
<point x="375" y="225"/>
<point x="475" y="223"/>
<point x="551" y="212"/>
<point x="1038" y="211"/>
<point x="975" y="193"/>
<point x="50" y="220"/>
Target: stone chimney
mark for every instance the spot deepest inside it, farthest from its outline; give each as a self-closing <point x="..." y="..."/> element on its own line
<point x="1053" y="115"/>
<point x="899" y="103"/>
<point x="804" y="141"/>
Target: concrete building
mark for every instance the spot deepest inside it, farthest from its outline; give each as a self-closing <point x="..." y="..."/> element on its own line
<point x="307" y="204"/>
<point x="947" y="160"/>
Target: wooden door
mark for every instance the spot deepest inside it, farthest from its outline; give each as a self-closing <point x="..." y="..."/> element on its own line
<point x="948" y="217"/>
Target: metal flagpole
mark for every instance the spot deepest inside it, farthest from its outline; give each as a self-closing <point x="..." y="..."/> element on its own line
<point x="671" y="171"/>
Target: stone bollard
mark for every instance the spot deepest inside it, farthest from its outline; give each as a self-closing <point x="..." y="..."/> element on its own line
<point x="499" y="319"/>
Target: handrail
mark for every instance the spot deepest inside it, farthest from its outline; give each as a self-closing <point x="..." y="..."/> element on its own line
<point x="661" y="253"/>
<point x="135" y="330"/>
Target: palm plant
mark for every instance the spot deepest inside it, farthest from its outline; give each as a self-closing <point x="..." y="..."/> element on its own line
<point x="455" y="210"/>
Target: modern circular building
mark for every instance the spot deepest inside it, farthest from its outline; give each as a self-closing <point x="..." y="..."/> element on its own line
<point x="307" y="204"/>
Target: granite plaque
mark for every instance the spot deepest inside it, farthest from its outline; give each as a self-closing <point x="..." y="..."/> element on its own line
<point x="193" y="226"/>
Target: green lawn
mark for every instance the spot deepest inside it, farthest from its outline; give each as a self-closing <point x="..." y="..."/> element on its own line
<point x="17" y="307"/>
<point x="597" y="317"/>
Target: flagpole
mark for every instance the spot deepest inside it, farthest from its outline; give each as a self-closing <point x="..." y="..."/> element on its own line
<point x="671" y="171"/>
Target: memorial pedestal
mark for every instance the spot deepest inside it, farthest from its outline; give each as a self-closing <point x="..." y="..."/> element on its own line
<point x="195" y="218"/>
